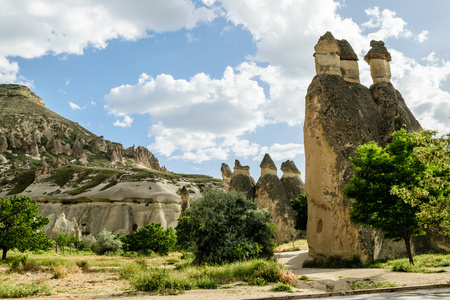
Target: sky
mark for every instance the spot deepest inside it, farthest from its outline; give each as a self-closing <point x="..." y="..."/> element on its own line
<point x="202" y="82"/>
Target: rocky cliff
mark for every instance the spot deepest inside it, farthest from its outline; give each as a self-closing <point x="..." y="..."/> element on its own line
<point x="269" y="192"/>
<point x="342" y="114"/>
<point x="69" y="170"/>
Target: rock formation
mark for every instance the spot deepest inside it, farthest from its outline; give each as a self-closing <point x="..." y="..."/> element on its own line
<point x="270" y="192"/>
<point x="226" y="175"/>
<point x="184" y="194"/>
<point x="62" y="225"/>
<point x="242" y="181"/>
<point x="342" y="114"/>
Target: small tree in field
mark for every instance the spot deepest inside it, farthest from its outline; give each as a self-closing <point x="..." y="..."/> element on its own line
<point x="21" y="226"/>
<point x="391" y="187"/>
<point x="228" y="228"/>
<point x="152" y="237"/>
<point x="300" y="206"/>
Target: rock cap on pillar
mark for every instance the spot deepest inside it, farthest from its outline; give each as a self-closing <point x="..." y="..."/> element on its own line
<point x="226" y="173"/>
<point x="378" y="58"/>
<point x="290" y="169"/>
<point x="327" y="53"/>
<point x="349" y="62"/>
<point x="268" y="166"/>
<point x="240" y="169"/>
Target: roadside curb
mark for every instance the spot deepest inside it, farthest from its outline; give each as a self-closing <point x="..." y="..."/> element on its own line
<point x="358" y="292"/>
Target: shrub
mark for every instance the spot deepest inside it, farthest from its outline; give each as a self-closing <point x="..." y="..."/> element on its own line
<point x="25" y="290"/>
<point x="152" y="238"/>
<point x="59" y="272"/>
<point x="106" y="242"/>
<point x="229" y="228"/>
<point x="282" y="287"/>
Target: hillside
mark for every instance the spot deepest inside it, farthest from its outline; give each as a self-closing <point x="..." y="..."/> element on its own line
<point x="68" y="169"/>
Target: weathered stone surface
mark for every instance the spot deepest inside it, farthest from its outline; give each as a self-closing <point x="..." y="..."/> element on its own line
<point x="184" y="194"/>
<point x="62" y="225"/>
<point x="349" y="62"/>
<point x="340" y="116"/>
<point x="268" y="166"/>
<point x="227" y="174"/>
<point x="243" y="183"/>
<point x="327" y="52"/>
<point x="240" y="169"/>
<point x="271" y="194"/>
<point x="378" y="58"/>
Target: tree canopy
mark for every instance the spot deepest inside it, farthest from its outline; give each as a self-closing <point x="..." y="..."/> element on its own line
<point x="21" y="226"/>
<point x="228" y="227"/>
<point x="399" y="189"/>
<point x="300" y="206"/>
<point x="152" y="237"/>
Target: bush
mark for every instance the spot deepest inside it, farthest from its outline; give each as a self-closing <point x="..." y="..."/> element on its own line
<point x="185" y="231"/>
<point x="152" y="238"/>
<point x="106" y="242"/>
<point x="229" y="228"/>
<point x="282" y="287"/>
<point x="300" y="206"/>
<point x="25" y="290"/>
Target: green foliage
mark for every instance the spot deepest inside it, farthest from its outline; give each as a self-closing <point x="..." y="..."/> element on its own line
<point x="229" y="228"/>
<point x="377" y="171"/>
<point x="22" y="180"/>
<point x="186" y="231"/>
<point x="23" y="290"/>
<point x="300" y="206"/>
<point x="368" y="284"/>
<point x="424" y="263"/>
<point x="102" y="176"/>
<point x="21" y="226"/>
<point x="106" y="242"/>
<point x="152" y="238"/>
<point x="282" y="287"/>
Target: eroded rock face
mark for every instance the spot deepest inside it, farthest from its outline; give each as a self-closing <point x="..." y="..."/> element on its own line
<point x="226" y="175"/>
<point x="62" y="225"/>
<point x="340" y="116"/>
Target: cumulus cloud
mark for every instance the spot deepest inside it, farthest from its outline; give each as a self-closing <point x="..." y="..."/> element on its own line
<point x="204" y="118"/>
<point x="422" y="37"/>
<point x="127" y="121"/>
<point x="32" y="28"/>
<point x="74" y="106"/>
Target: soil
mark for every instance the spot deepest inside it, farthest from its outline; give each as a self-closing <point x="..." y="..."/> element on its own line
<point x="104" y="283"/>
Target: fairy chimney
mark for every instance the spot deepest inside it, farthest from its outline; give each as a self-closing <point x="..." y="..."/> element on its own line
<point x="378" y="58"/>
<point x="327" y="53"/>
<point x="268" y="166"/>
<point x="349" y="62"/>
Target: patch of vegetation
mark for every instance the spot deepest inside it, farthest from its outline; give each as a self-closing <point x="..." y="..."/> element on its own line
<point x="422" y="264"/>
<point x="22" y="180"/>
<point x="23" y="290"/>
<point x="334" y="263"/>
<point x="64" y="174"/>
<point x="282" y="287"/>
<point x="368" y="283"/>
<point x="102" y="176"/>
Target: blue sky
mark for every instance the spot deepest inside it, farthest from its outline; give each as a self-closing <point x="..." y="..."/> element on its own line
<point x="204" y="82"/>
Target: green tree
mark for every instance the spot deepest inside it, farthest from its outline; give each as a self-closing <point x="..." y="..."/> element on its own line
<point x="21" y="226"/>
<point x="300" y="206"/>
<point x="432" y="193"/>
<point x="185" y="231"/>
<point x="152" y="237"/>
<point x="229" y="228"/>
<point x="385" y="181"/>
<point x="106" y="241"/>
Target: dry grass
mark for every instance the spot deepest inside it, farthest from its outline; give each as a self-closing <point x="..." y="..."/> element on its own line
<point x="298" y="245"/>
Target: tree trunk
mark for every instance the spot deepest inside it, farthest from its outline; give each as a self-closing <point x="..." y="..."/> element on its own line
<point x="407" y="240"/>
<point x="4" y="253"/>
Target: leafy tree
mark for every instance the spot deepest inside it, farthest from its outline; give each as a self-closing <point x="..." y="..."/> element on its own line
<point x="21" y="226"/>
<point x="432" y="193"/>
<point x="385" y="181"/>
<point x="300" y="206"/>
<point x="229" y="228"/>
<point x="152" y="237"/>
<point x="62" y="239"/>
<point x="106" y="241"/>
<point x="185" y="231"/>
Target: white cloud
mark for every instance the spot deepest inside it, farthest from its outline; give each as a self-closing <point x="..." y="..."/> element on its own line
<point x="74" y="106"/>
<point x="127" y="121"/>
<point x="33" y="28"/>
<point x="204" y="118"/>
<point x="422" y="37"/>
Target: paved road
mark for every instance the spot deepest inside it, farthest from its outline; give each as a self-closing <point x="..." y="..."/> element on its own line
<point x="411" y="295"/>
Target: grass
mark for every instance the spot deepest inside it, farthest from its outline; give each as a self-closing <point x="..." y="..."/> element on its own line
<point x="423" y="263"/>
<point x="301" y="244"/>
<point x="23" y="290"/>
<point x="22" y="180"/>
<point x="282" y="287"/>
<point x="368" y="283"/>
<point x="187" y="276"/>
